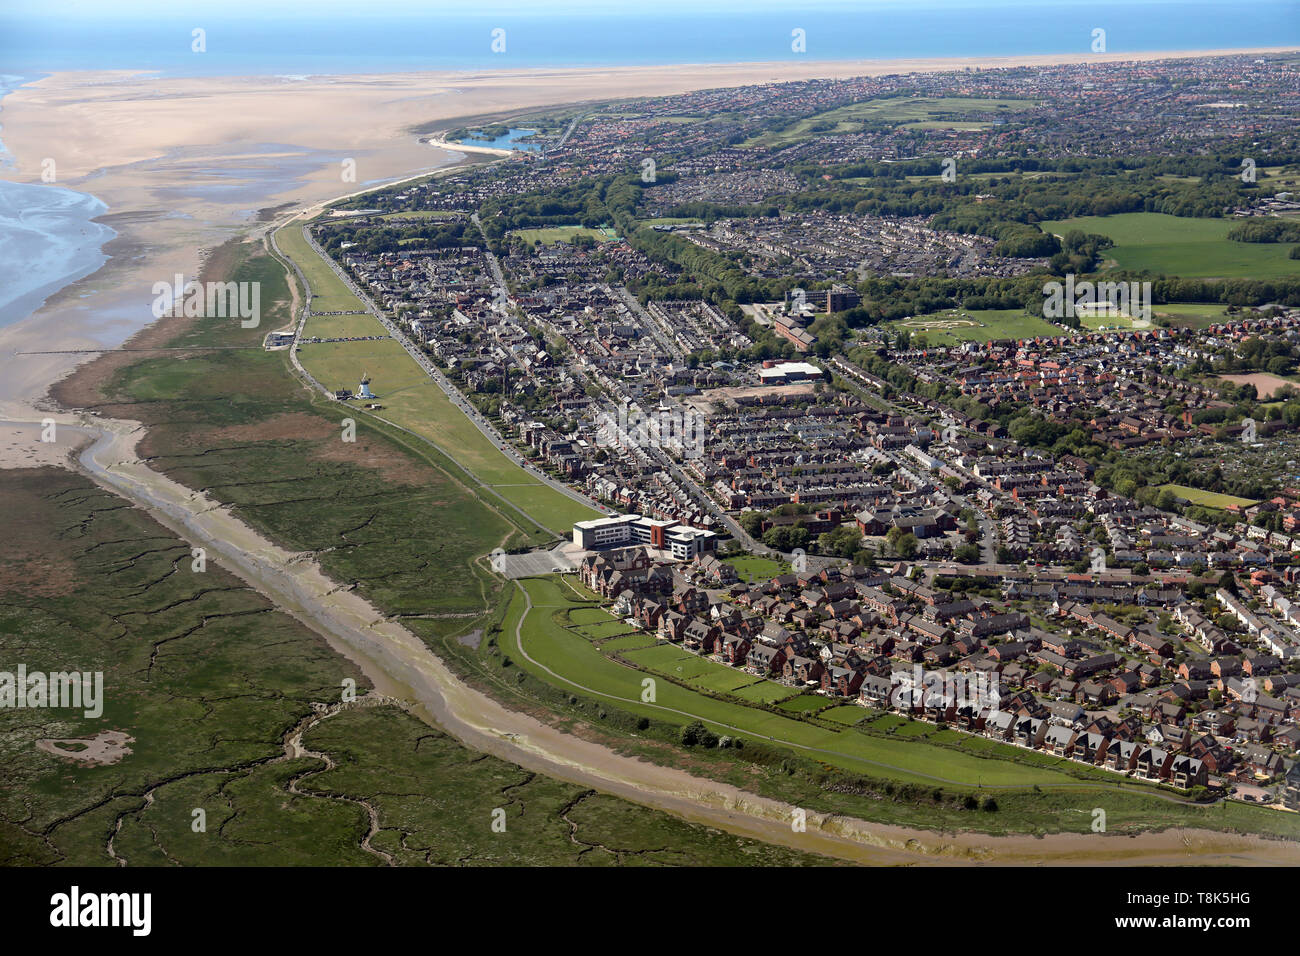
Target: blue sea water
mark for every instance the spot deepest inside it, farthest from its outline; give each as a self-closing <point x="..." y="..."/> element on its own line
<point x="362" y="37"/>
<point x="47" y="240"/>
<point x="47" y="236"/>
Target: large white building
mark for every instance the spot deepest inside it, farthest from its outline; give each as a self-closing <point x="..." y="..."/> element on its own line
<point x="682" y="541"/>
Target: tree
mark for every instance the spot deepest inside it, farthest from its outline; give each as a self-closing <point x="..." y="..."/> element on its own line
<point x="906" y="546"/>
<point x="967" y="554"/>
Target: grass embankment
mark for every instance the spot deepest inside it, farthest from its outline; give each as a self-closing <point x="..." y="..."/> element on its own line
<point x="847" y="759"/>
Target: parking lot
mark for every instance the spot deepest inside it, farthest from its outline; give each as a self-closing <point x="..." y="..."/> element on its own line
<point x="567" y="556"/>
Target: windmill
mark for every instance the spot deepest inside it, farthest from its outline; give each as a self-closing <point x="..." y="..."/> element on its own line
<point x="363" y="390"/>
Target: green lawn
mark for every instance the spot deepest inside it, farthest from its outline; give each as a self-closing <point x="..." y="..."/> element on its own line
<point x="751" y="568"/>
<point x="590" y="615"/>
<point x="342" y="326"/>
<point x="908" y="111"/>
<point x="846" y="714"/>
<point x="329" y="294"/>
<point x="954" y="326"/>
<point x="1191" y="315"/>
<point x="805" y="703"/>
<point x="1208" y="499"/>
<point x="1174" y="245"/>
<point x="563" y="234"/>
<point x="422" y="214"/>
<point x="608" y="629"/>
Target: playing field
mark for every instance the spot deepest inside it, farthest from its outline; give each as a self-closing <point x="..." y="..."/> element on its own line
<point x="1174" y="245"/>
<point x="1208" y="499"/>
<point x="564" y="234"/>
<point x="350" y="326"/>
<point x="935" y="112"/>
<point x="954" y="326"/>
<point x="751" y="568"/>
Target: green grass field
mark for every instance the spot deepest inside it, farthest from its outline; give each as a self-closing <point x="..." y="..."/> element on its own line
<point x="421" y="214"/>
<point x="805" y="703"/>
<point x="329" y="294"/>
<point x="1173" y="245"/>
<point x="383" y="516"/>
<point x="341" y="326"/>
<point x="753" y="568"/>
<point x="933" y="112"/>
<point x="1208" y="499"/>
<point x="563" y="234"/>
<point x="954" y="326"/>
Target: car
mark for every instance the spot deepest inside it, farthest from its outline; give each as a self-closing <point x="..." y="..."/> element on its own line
<point x="557" y="570"/>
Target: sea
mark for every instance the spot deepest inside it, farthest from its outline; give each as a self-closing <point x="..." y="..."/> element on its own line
<point x="47" y="234"/>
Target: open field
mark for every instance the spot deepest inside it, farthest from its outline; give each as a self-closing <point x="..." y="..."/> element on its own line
<point x="203" y="677"/>
<point x="1266" y="385"/>
<point x="1102" y="317"/>
<point x="753" y="568"/>
<point x="1178" y="246"/>
<point x="898" y="110"/>
<point x="420" y="214"/>
<point x="329" y="294"/>
<point x="342" y="326"/>
<point x="1190" y="315"/>
<point x="1208" y="499"/>
<point x="551" y="234"/>
<point x="954" y="326"/>
<point x="847" y="714"/>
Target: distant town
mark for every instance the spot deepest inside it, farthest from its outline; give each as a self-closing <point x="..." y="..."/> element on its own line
<point x="790" y="342"/>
